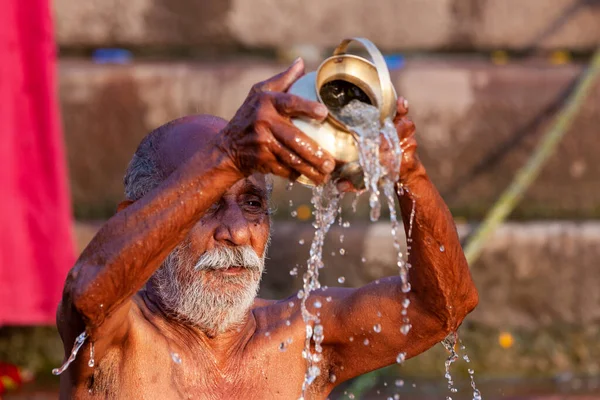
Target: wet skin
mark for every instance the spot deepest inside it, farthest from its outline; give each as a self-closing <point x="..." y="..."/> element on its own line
<point x="215" y="195"/>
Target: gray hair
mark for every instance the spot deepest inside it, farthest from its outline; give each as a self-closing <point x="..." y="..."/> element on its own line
<point x="143" y="172"/>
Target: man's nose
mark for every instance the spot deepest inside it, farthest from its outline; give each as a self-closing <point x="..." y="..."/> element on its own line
<point x="233" y="228"/>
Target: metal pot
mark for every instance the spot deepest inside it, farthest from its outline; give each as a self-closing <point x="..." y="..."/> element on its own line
<point x="339" y="79"/>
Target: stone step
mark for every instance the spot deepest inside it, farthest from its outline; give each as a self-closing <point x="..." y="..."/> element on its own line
<point x="392" y="24"/>
<point x="477" y="124"/>
<point x="530" y="275"/>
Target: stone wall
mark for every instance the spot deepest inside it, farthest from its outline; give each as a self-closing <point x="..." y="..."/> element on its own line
<point x="477" y="124"/>
<point x="392" y="24"/>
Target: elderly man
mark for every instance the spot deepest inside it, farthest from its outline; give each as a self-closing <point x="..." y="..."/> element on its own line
<point x="166" y="290"/>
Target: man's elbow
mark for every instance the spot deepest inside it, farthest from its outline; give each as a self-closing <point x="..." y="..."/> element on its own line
<point x="463" y="306"/>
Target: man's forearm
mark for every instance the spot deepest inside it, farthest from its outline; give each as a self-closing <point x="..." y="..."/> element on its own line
<point x="440" y="275"/>
<point x="132" y="245"/>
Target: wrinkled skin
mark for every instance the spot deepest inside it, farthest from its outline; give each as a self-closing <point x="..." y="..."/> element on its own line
<point x="209" y="161"/>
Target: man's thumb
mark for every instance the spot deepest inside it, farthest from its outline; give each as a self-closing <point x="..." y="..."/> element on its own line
<point x="283" y="81"/>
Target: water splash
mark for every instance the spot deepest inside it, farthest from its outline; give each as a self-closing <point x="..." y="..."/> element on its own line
<point x="91" y="362"/>
<point x="176" y="358"/>
<point x="79" y="341"/>
<point x="476" y="392"/>
<point x="449" y="344"/>
<point x="363" y="119"/>
<point x="325" y="200"/>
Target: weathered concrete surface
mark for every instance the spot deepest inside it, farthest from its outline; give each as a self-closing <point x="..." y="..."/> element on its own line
<point x="477" y="124"/>
<point x="392" y="24"/>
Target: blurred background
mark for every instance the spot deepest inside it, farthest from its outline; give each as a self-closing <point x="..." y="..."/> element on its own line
<point x="485" y="80"/>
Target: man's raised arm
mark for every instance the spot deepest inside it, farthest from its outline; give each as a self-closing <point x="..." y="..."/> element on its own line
<point x="132" y="245"/>
<point x="442" y="291"/>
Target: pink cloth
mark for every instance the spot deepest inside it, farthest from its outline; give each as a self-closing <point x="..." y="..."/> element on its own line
<point x="36" y="247"/>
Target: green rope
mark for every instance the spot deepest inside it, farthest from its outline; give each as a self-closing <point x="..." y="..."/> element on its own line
<point x="529" y="172"/>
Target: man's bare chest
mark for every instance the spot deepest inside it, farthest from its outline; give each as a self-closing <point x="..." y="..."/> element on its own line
<point x="167" y="370"/>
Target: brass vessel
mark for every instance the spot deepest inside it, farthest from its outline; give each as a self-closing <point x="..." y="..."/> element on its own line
<point x="345" y="76"/>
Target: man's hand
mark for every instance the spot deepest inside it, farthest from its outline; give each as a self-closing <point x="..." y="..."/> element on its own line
<point x="262" y="138"/>
<point x="406" y="134"/>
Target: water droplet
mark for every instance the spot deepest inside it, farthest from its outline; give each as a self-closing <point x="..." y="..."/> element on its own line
<point x="267" y="334"/>
<point x="399" y="382"/>
<point x="405" y="302"/>
<point x="332" y="378"/>
<point x="377" y="328"/>
<point x="364" y="260"/>
<point x="342" y="252"/>
<point x="176" y="358"/>
<point x="301" y="241"/>
<point x="396" y="396"/>
<point x="351" y="338"/>
<point x="291" y="304"/>
<point x="317" y="304"/>
<point x="341" y="279"/>
<point x="442" y="248"/>
<point x="346" y="224"/>
<point x="289" y="186"/>
<point x="405" y="328"/>
<point x="309" y="331"/>
<point x="333" y="254"/>
<point x="350" y="395"/>
<point x="341" y="238"/>
<point x="366" y="342"/>
<point x="294" y="271"/>
<point x="405" y="287"/>
<point x="294" y="213"/>
<point x="328" y="298"/>
<point x="288" y="323"/>
<point x="318" y="329"/>
<point x="300" y="294"/>
<point x="79" y="341"/>
<point x="401" y="358"/>
<point x="91" y="362"/>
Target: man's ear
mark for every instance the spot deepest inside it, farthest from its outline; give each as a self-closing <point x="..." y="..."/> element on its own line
<point x="123" y="205"/>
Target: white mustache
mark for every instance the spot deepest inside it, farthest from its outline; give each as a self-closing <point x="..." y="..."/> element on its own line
<point x="224" y="257"/>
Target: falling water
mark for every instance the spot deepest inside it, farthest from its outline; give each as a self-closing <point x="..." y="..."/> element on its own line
<point x="364" y="120"/>
<point x="79" y="341"/>
<point x="450" y="343"/>
<point x="476" y="392"/>
<point x="325" y="200"/>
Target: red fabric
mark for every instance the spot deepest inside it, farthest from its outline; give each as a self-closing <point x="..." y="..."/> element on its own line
<point x="36" y="248"/>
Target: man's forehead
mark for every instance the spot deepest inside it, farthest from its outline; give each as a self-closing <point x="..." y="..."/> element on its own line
<point x="254" y="181"/>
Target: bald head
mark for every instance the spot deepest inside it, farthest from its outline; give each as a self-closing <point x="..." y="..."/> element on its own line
<point x="165" y="149"/>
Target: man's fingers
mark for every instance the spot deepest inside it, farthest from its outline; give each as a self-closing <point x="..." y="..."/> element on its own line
<point x="283" y="81"/>
<point x="294" y="106"/>
<point x="401" y="109"/>
<point x="302" y="145"/>
<point x="292" y="161"/>
<point x="405" y="127"/>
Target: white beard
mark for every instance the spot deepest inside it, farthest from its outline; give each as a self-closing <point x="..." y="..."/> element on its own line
<point x="196" y="292"/>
